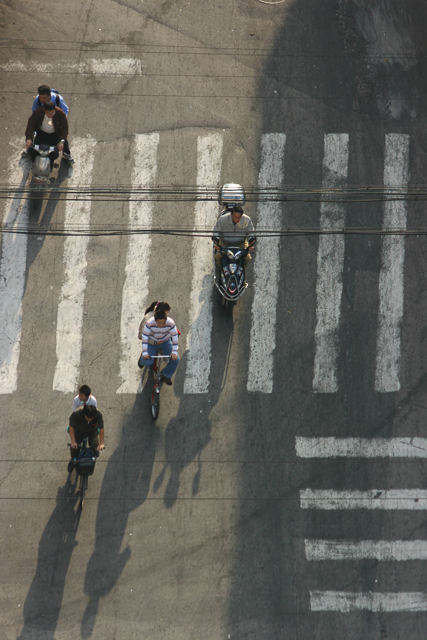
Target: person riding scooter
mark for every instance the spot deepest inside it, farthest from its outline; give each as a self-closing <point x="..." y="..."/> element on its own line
<point x="233" y="229"/>
<point x="50" y="125"/>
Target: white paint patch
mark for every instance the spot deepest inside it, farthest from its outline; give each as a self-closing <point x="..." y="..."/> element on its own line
<point x="103" y="67"/>
<point x="267" y="269"/>
<point x="209" y="154"/>
<point x="330" y="264"/>
<point x="12" y="275"/>
<point x="344" y="602"/>
<point x="390" y="499"/>
<point x="382" y="550"/>
<point x="361" y="447"/>
<point x="70" y="309"/>
<point x="390" y="313"/>
<point x="135" y="290"/>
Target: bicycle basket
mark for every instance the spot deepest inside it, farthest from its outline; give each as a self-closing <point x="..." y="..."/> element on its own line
<point x="85" y="463"/>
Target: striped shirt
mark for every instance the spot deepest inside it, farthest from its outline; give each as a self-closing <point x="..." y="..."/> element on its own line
<point x="157" y="335"/>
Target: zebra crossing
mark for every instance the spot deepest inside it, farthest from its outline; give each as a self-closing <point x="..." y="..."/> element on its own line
<point x="266" y="276"/>
<point x="372" y="499"/>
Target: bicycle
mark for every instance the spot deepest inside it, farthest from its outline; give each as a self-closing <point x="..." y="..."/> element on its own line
<point x="84" y="464"/>
<point x="157" y="374"/>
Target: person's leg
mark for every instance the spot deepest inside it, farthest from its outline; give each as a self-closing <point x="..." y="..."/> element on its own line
<point x="171" y="366"/>
<point x="93" y="440"/>
<point x="151" y="348"/>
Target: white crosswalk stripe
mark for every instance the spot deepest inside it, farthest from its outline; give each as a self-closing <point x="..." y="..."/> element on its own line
<point x="361" y="447"/>
<point x="396" y="173"/>
<point x="12" y="276"/>
<point x="344" y="602"/>
<point x="135" y="290"/>
<point x="330" y="264"/>
<point x="267" y="270"/>
<point x="382" y="550"/>
<point x="209" y="160"/>
<point x="70" y="309"/>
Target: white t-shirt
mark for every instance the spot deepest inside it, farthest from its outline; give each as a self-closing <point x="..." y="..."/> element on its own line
<point x="79" y="403"/>
<point x="47" y="125"/>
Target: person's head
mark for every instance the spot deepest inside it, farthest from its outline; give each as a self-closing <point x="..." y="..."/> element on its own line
<point x="158" y="306"/>
<point x="84" y="393"/>
<point x="49" y="108"/>
<point x="160" y="318"/>
<point x="236" y="214"/>
<point x="44" y="93"/>
<point x="89" y="412"/>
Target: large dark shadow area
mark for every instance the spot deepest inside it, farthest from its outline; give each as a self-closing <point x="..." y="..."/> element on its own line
<point x="337" y="67"/>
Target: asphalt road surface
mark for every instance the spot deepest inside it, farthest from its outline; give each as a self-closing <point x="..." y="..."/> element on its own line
<point x="282" y="491"/>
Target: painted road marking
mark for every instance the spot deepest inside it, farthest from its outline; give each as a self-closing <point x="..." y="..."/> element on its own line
<point x="104" y="67"/>
<point x="387" y="499"/>
<point x="330" y="264"/>
<point x="267" y="269"/>
<point x="70" y="309"/>
<point x="13" y="267"/>
<point x="361" y="447"/>
<point x="382" y="550"/>
<point x="345" y="602"/>
<point x="135" y="290"/>
<point x="390" y="313"/>
<point x="209" y="154"/>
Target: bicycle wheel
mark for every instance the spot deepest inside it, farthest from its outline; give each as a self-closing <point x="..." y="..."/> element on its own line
<point x="155" y="404"/>
<point x="83" y="485"/>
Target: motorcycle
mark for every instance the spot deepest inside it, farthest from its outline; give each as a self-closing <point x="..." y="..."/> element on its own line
<point x="41" y="167"/>
<point x="229" y="278"/>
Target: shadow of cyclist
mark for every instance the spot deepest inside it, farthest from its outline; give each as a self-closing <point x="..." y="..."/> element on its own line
<point x="124" y="488"/>
<point x="189" y="432"/>
<point x="44" y="599"/>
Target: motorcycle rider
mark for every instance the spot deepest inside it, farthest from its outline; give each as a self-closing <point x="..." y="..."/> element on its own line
<point x="50" y="125"/>
<point x="46" y="94"/>
<point x="233" y="229"/>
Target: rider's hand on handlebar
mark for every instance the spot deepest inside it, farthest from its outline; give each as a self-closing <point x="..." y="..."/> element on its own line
<point x="60" y="147"/>
<point x="174" y="356"/>
<point x="100" y="447"/>
<point x="252" y="248"/>
<point x="28" y="144"/>
<point x="217" y="247"/>
<point x="74" y="445"/>
<point x="146" y="356"/>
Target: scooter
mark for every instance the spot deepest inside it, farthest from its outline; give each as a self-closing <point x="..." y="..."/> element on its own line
<point x="230" y="278"/>
<point x="41" y="166"/>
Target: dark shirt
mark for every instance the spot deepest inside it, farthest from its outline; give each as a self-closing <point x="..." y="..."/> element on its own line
<point x="59" y="122"/>
<point x="79" y="422"/>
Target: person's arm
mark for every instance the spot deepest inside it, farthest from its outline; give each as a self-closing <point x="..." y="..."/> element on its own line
<point x="101" y="445"/>
<point x="174" y="336"/>
<point x="31" y="128"/>
<point x="250" y="235"/>
<point x="217" y="233"/>
<point x="146" y="334"/>
<point x="62" y="105"/>
<point x="73" y="437"/>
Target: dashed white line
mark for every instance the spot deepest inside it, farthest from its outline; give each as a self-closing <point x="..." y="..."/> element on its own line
<point x="104" y="67"/>
<point x="361" y="447"/>
<point x="330" y="263"/>
<point x="70" y="309"/>
<point x="266" y="270"/>
<point x="209" y="155"/>
<point x="135" y="290"/>
<point x="390" y="313"/>
<point x="12" y="276"/>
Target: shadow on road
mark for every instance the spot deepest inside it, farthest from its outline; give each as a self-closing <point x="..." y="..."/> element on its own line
<point x="44" y="600"/>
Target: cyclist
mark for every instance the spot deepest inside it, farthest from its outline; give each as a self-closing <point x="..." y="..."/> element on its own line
<point x="86" y="422"/>
<point x="160" y="331"/>
<point x="149" y="313"/>
<point x="84" y="397"/>
<point x="233" y="229"/>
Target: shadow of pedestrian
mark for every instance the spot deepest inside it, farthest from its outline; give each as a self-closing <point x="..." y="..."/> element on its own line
<point x="124" y="488"/>
<point x="44" y="600"/>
